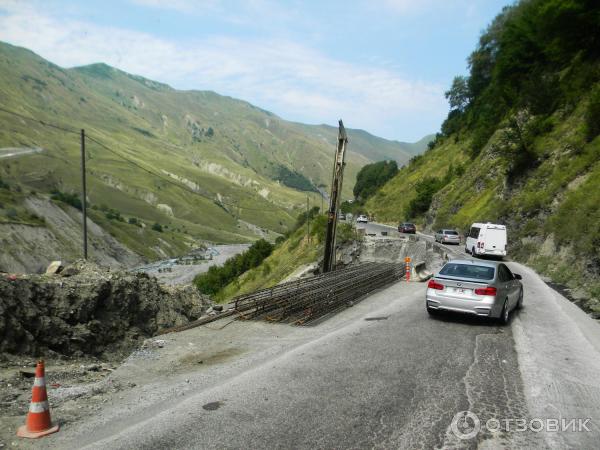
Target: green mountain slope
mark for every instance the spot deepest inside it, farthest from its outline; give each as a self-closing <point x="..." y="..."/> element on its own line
<point x="201" y="165"/>
<point x="372" y="147"/>
<point x="520" y="145"/>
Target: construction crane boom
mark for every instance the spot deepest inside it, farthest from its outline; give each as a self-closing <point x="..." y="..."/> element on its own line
<point x="335" y="199"/>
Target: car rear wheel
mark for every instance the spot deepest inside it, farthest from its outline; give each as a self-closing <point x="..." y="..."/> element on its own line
<point x="432" y="312"/>
<point x="505" y="316"/>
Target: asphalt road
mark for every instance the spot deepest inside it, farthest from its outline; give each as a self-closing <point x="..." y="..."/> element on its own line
<point x="381" y="374"/>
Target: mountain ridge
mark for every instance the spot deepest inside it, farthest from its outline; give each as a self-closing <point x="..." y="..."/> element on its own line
<point x="201" y="165"/>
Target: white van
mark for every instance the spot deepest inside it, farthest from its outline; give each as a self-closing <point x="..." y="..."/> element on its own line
<point x="486" y="239"/>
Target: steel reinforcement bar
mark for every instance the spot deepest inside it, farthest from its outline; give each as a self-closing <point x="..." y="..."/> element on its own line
<point x="305" y="300"/>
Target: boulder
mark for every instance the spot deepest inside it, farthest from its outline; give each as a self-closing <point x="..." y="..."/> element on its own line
<point x="54" y="268"/>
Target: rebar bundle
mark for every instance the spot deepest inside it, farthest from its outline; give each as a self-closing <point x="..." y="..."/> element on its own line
<point x="306" y="300"/>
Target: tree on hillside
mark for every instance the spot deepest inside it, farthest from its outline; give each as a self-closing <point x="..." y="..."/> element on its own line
<point x="458" y="95"/>
<point x="372" y="176"/>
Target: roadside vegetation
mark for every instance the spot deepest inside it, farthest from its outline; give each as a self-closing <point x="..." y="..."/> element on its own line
<point x="520" y="144"/>
<point x="217" y="277"/>
<point x="369" y="179"/>
<point x="290" y="253"/>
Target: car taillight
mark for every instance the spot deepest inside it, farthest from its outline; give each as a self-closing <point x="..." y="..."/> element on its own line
<point x="488" y="290"/>
<point x="435" y="285"/>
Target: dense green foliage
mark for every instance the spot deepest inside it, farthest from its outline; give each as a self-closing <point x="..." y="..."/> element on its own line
<point x="217" y="278"/>
<point x="294" y="179"/>
<point x="68" y="198"/>
<point x="535" y="57"/>
<point x="372" y="176"/>
<point x="424" y="189"/>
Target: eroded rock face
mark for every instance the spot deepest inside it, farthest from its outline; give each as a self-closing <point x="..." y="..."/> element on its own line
<point x="94" y="311"/>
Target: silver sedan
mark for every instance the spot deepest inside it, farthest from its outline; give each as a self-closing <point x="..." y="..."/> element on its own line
<point x="482" y="288"/>
<point x="447" y="237"/>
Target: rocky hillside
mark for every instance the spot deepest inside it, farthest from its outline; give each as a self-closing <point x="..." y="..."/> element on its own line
<point x="520" y="145"/>
<point x="88" y="310"/>
<point x="165" y="167"/>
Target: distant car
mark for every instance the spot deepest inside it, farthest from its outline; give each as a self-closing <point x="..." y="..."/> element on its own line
<point x="342" y="216"/>
<point x="481" y="288"/>
<point x="486" y="239"/>
<point x="407" y="228"/>
<point x="446" y="236"/>
<point x="362" y="219"/>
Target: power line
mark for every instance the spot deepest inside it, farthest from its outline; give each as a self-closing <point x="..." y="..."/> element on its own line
<point x="170" y="181"/>
<point x="43" y="122"/>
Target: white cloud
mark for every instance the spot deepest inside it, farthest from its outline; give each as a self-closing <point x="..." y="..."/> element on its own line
<point x="185" y="6"/>
<point x="294" y="81"/>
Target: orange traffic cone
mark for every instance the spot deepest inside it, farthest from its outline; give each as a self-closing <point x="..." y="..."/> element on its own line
<point x="38" y="421"/>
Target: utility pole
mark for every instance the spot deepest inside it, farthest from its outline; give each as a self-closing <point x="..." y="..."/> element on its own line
<point x="307" y="221"/>
<point x="84" y="195"/>
<point x="334" y="200"/>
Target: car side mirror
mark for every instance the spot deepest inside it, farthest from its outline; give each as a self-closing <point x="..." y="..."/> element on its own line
<point x="517" y="276"/>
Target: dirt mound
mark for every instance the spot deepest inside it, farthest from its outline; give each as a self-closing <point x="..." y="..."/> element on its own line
<point x="89" y="310"/>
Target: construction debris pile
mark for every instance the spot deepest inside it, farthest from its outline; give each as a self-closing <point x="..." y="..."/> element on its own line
<point x="83" y="309"/>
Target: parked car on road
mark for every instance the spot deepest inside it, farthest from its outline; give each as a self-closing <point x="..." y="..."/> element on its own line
<point x="362" y="219"/>
<point x="486" y="239"/>
<point x="342" y="216"/>
<point x="482" y="288"/>
<point x="407" y="227"/>
<point x="446" y="236"/>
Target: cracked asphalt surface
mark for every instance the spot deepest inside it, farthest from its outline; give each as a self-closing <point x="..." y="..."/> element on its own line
<point x="381" y="374"/>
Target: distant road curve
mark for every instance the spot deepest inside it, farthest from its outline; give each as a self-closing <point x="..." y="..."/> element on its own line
<point x="11" y="152"/>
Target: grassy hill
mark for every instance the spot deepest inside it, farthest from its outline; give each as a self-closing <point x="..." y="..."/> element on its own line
<point x="520" y="145"/>
<point x="372" y="147"/>
<point x="202" y="165"/>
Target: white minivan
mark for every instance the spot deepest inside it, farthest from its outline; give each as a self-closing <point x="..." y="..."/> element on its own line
<point x="486" y="239"/>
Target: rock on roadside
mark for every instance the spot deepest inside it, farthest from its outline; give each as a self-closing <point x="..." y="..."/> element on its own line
<point x="94" y="311"/>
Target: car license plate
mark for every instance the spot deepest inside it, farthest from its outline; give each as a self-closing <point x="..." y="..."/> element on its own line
<point x="462" y="291"/>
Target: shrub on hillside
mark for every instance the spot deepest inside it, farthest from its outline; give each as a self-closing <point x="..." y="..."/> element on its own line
<point x="113" y="214"/>
<point x="372" y="176"/>
<point x="217" y="278"/>
<point x="70" y="199"/>
<point x="311" y="214"/>
<point x="134" y="221"/>
<point x="157" y="227"/>
<point x="425" y="190"/>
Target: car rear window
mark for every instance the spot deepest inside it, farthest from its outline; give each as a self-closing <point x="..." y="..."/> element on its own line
<point x="451" y="233"/>
<point x="468" y="271"/>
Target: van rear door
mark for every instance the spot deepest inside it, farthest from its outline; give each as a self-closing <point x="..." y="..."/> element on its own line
<point x="495" y="239"/>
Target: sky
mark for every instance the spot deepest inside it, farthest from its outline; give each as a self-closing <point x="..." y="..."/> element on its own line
<point x="380" y="65"/>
